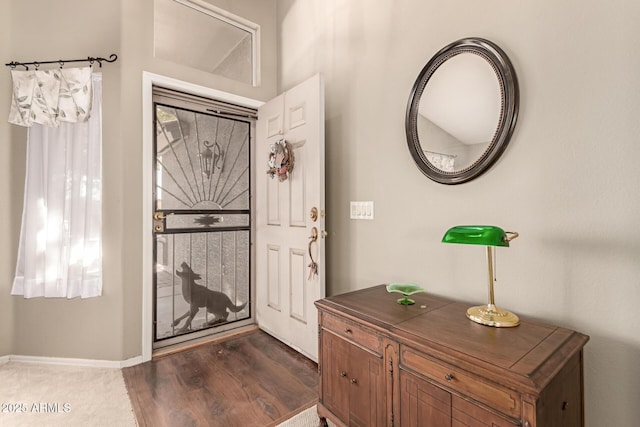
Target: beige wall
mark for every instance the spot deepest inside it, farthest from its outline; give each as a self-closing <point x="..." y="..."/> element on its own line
<point x="109" y="327"/>
<point x="568" y="182"/>
<point x="7" y="256"/>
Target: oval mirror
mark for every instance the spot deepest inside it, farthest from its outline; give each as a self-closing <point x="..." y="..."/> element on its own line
<point x="462" y="111"/>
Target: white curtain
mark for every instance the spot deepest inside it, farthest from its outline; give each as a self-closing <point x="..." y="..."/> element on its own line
<point x="60" y="252"/>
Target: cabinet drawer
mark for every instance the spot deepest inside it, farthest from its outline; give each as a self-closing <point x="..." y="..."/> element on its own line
<point x="353" y="332"/>
<point x="466" y="414"/>
<point x="502" y="399"/>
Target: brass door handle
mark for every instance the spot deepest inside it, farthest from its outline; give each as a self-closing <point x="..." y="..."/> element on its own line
<point x="313" y="265"/>
<point x="159" y="216"/>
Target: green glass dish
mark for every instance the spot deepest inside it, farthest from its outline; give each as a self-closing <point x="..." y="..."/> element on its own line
<point x="405" y="289"/>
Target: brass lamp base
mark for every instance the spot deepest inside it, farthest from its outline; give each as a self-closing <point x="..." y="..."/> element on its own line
<point x="491" y="315"/>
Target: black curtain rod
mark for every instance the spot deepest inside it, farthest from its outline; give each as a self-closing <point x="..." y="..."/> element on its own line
<point x="90" y="59"/>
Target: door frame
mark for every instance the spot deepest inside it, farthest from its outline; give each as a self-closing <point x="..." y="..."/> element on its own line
<point x="148" y="80"/>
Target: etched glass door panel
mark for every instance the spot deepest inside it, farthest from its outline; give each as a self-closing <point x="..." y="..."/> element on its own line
<point x="202" y="224"/>
<point x="202" y="161"/>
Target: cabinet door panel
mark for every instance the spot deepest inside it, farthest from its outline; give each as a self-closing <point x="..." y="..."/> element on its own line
<point x="422" y="403"/>
<point x="335" y="383"/>
<point x="561" y="402"/>
<point x="366" y="393"/>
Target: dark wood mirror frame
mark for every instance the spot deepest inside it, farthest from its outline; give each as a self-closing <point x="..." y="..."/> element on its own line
<point x="509" y="94"/>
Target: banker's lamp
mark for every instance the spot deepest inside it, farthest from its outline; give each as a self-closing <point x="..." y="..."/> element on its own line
<point x="489" y="236"/>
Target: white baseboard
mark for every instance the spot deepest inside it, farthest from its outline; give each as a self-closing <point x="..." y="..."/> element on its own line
<point x="131" y="362"/>
<point x="63" y="361"/>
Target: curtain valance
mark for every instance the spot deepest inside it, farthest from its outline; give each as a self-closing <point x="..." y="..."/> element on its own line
<point x="50" y="97"/>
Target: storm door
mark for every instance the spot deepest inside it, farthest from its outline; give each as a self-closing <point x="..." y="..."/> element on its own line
<point x="202" y="217"/>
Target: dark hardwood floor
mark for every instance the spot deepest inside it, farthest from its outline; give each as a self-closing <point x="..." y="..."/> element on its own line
<point x="251" y="380"/>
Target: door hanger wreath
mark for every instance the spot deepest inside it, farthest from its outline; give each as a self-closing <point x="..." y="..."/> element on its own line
<point x="281" y="160"/>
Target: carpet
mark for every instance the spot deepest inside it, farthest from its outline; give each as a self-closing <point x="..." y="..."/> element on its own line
<point x="54" y="395"/>
<point x="306" y="418"/>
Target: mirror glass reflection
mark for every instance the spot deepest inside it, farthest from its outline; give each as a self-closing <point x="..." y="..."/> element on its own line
<point x="459" y="112"/>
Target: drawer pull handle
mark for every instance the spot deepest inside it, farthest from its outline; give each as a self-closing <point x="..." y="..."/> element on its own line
<point x="354" y="381"/>
<point x="347" y="331"/>
<point x="343" y="374"/>
<point x="448" y="377"/>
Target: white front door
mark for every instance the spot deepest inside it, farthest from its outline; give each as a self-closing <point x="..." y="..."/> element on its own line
<point x="287" y="284"/>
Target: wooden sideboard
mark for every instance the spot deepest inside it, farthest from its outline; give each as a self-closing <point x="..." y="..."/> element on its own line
<point x="385" y="364"/>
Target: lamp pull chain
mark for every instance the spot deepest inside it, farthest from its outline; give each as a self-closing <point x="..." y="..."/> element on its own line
<point x="491" y="276"/>
<point x="495" y="265"/>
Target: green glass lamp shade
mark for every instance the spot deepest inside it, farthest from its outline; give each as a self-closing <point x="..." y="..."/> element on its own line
<point x="486" y="235"/>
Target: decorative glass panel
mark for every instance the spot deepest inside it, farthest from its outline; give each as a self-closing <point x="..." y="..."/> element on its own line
<point x="209" y="221"/>
<point x="202" y="161"/>
<point x="199" y="35"/>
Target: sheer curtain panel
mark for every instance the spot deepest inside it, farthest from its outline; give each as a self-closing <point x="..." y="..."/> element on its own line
<point x="60" y="253"/>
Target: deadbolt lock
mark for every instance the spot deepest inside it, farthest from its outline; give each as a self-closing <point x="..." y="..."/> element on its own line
<point x="314" y="213"/>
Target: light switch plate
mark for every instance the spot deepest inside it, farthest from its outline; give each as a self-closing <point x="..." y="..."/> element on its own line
<point x="361" y="210"/>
